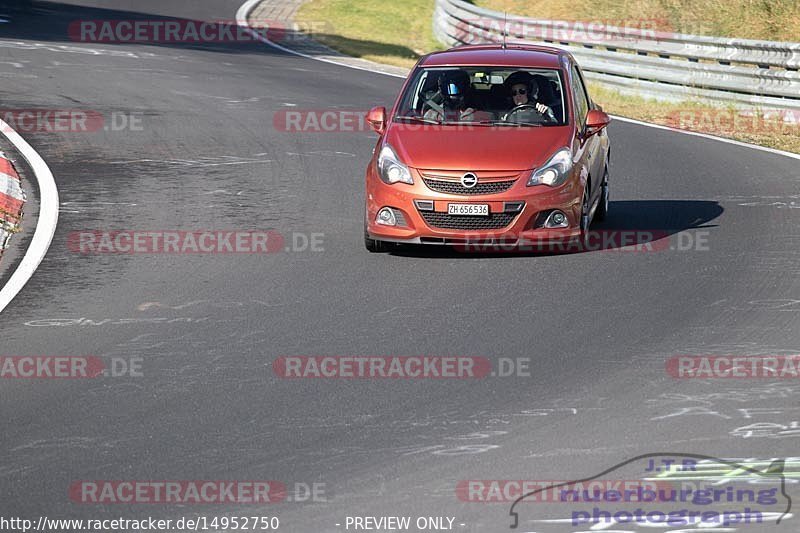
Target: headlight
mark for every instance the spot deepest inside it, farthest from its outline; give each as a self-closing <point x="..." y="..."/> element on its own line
<point x="390" y="169"/>
<point x="555" y="171"/>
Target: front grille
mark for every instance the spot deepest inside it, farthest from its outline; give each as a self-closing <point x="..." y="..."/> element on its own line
<point x="437" y="219"/>
<point x="455" y="187"/>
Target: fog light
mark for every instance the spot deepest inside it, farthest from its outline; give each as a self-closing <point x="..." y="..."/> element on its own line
<point x="557" y="219"/>
<point x="386" y="217"/>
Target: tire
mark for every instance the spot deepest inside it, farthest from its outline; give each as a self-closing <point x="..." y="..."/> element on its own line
<point x="602" y="207"/>
<point x="585" y="222"/>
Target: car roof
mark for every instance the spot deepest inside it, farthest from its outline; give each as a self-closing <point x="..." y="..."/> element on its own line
<point x="512" y="55"/>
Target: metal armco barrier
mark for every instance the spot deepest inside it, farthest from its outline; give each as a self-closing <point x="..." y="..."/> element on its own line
<point x="650" y="63"/>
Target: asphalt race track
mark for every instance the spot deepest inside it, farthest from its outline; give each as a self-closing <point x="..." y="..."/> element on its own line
<point x="597" y="327"/>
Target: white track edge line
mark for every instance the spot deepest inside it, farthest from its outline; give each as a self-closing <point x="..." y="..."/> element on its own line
<point x="45" y="226"/>
<point x="709" y="136"/>
<point x="241" y="20"/>
<point x="249" y="5"/>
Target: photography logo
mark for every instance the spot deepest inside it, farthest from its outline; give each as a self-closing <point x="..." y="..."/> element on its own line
<point x="698" y="505"/>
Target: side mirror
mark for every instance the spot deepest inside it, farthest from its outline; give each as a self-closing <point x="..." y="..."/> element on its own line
<point x="376" y="118"/>
<point x="596" y="120"/>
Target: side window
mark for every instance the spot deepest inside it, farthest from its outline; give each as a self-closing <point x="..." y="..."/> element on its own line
<point x="585" y="89"/>
<point x="581" y="99"/>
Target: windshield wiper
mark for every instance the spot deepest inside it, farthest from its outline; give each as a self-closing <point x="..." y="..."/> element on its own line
<point x="417" y="119"/>
<point x="506" y="123"/>
<point x="468" y="122"/>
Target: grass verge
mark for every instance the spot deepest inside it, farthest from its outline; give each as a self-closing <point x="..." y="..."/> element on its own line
<point x="771" y="20"/>
<point x="394" y="33"/>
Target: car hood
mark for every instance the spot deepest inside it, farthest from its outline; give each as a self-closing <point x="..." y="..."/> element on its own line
<point x="475" y="147"/>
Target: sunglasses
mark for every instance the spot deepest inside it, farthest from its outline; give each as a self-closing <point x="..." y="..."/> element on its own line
<point x="519" y="92"/>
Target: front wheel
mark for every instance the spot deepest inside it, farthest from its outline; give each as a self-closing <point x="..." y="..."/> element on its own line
<point x="602" y="209"/>
<point x="585" y="207"/>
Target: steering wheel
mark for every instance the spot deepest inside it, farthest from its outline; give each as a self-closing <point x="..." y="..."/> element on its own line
<point x="530" y="107"/>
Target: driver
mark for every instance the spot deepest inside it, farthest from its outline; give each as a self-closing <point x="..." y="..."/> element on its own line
<point x="524" y="90"/>
<point x="453" y="86"/>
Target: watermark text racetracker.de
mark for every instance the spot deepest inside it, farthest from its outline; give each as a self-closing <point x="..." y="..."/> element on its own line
<point x="399" y="367"/>
<point x="605" y="240"/>
<point x="330" y="120"/>
<point x="192" y="242"/>
<point x="474" y="30"/>
<point x="729" y="121"/>
<point x="479" y="30"/>
<point x="549" y="491"/>
<point x="37" y="120"/>
<point x="734" y="366"/>
<point x="320" y="121"/>
<point x="68" y="367"/>
<point x="187" y="31"/>
<point x="196" y="492"/>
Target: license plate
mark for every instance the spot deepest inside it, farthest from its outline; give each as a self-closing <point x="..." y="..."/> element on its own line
<point x="468" y="209"/>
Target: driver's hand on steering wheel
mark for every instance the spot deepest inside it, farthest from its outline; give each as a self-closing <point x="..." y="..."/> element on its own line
<point x="468" y="112"/>
<point x="543" y="109"/>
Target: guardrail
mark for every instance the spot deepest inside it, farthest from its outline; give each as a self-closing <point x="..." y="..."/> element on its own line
<point x="650" y="63"/>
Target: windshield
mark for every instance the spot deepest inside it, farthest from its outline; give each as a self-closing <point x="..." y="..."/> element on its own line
<point x="492" y="96"/>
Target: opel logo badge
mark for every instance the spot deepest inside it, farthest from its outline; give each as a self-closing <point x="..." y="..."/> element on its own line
<point x="469" y="180"/>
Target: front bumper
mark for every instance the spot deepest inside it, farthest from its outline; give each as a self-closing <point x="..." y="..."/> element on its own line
<point x="421" y="226"/>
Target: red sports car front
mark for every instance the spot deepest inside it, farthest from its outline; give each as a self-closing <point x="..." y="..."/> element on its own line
<point x="488" y="144"/>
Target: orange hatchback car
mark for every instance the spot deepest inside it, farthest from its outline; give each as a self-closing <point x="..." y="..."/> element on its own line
<point x="490" y="144"/>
